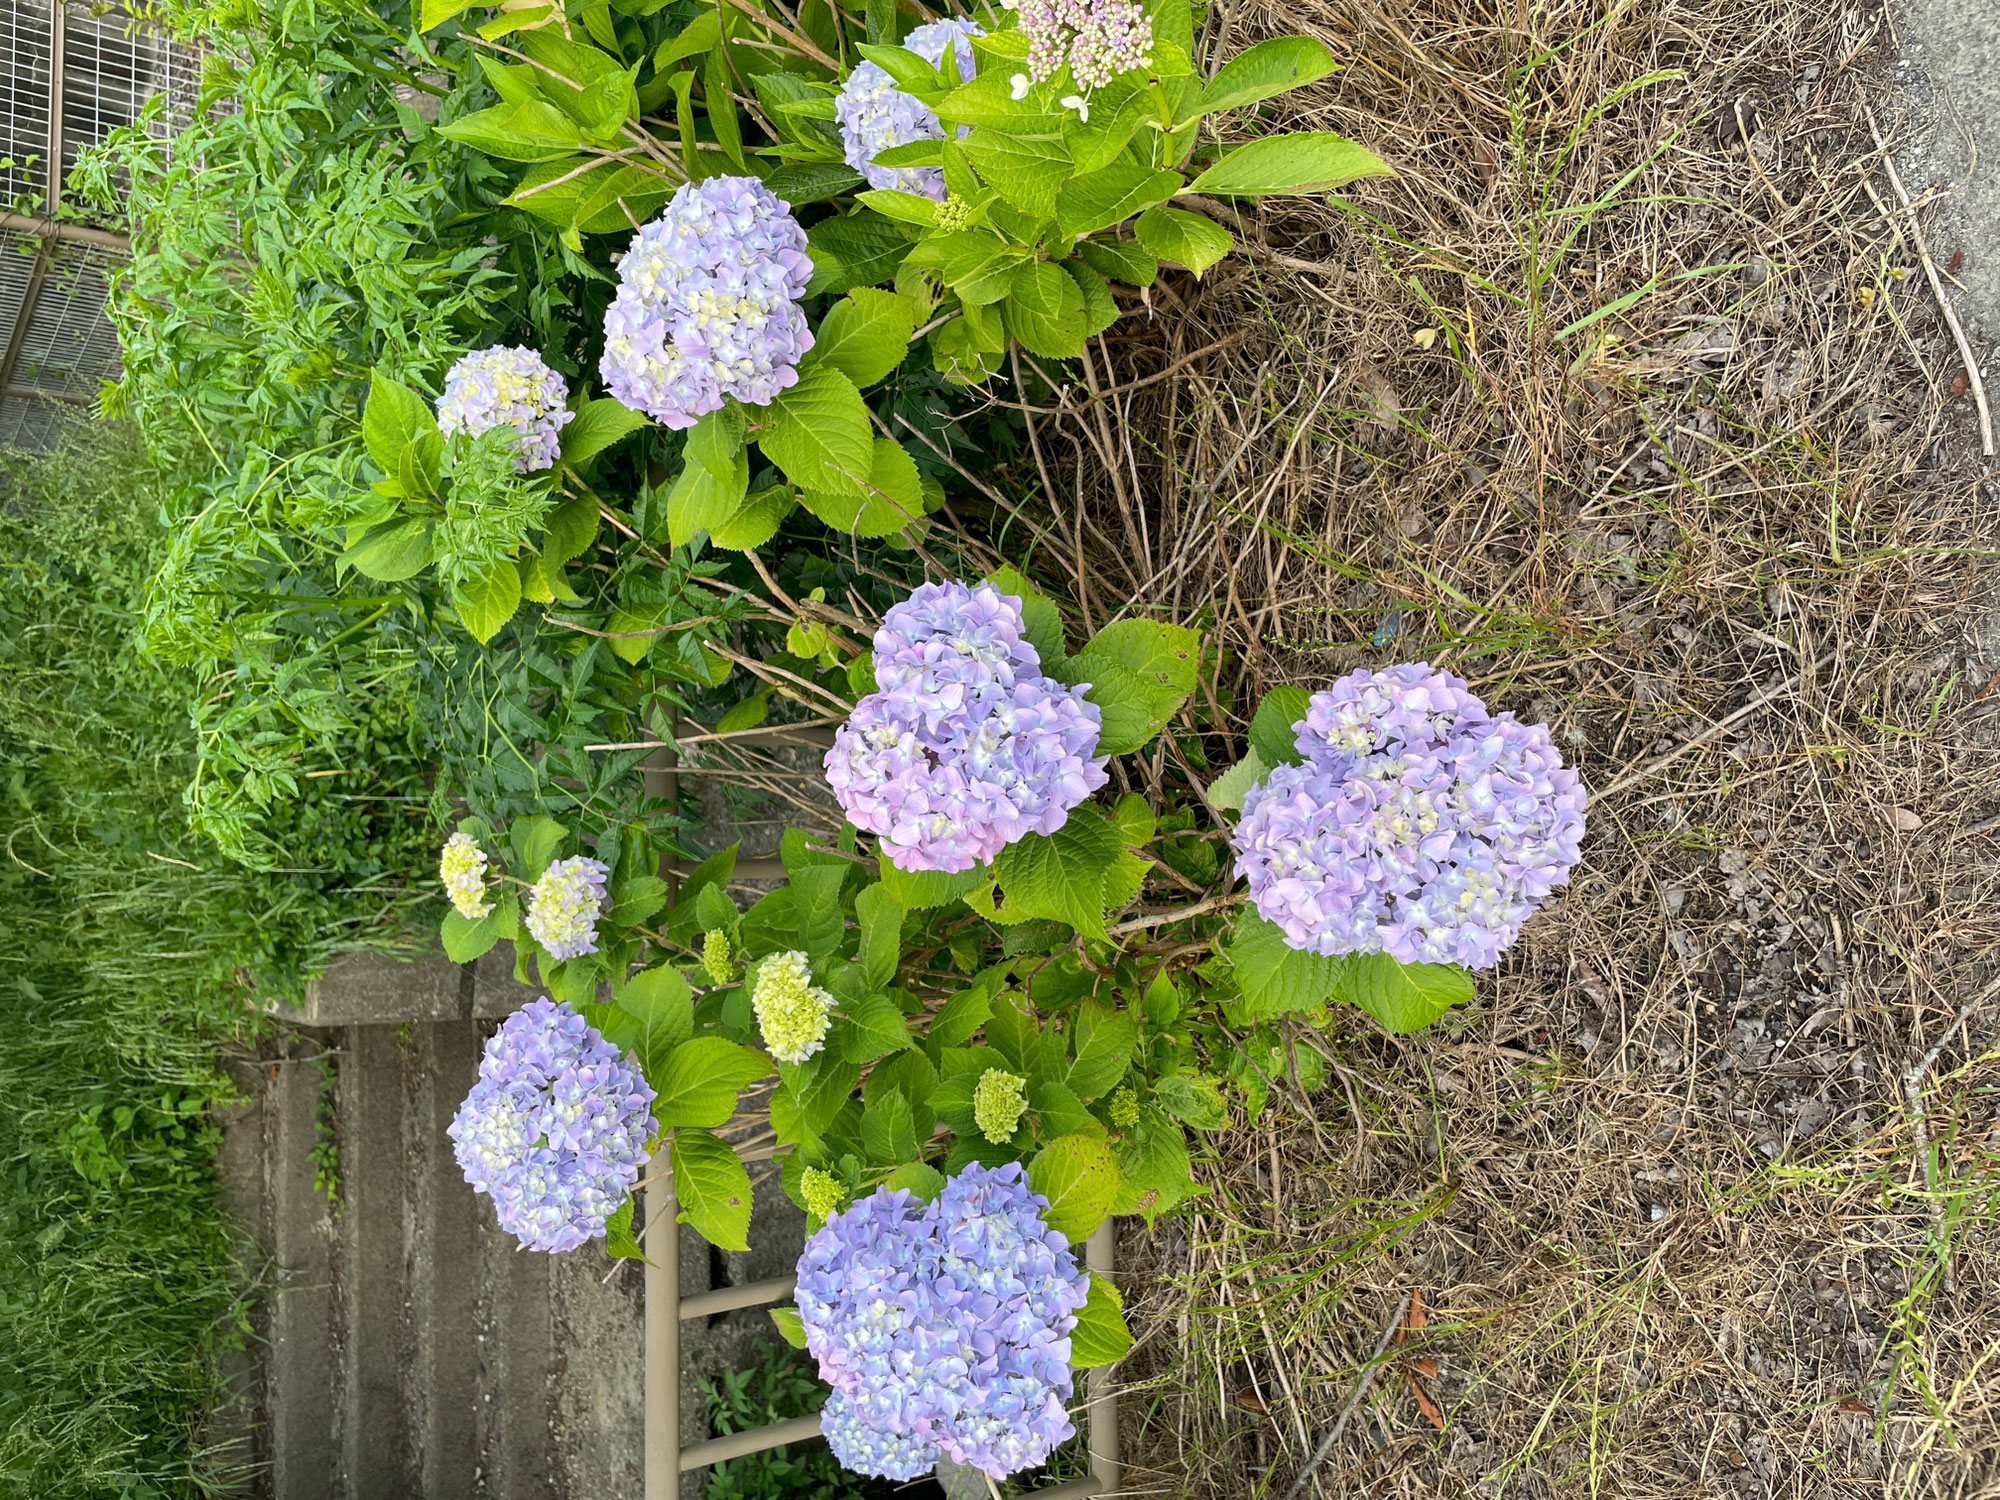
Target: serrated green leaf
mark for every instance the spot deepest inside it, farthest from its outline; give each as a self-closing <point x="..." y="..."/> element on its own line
<point x="819" y="434"/>
<point x="962" y="1015"/>
<point x="467" y="938"/>
<point x="875" y="1028"/>
<point x="861" y="249"/>
<point x="535" y="840"/>
<point x="1302" y="161"/>
<point x="713" y="1189"/>
<point x="391" y="553"/>
<point x="1044" y="311"/>
<point x="1041" y="618"/>
<point x="1111" y="195"/>
<point x="1060" y="876"/>
<point x="1101" y="1041"/>
<point x="598" y="424"/>
<point x="488" y="599"/>
<point x="1266" y="70"/>
<point x="1153" y="1157"/>
<point x="702" y="499"/>
<point x="866" y="334"/>
<point x="921" y="1180"/>
<point x="891" y="499"/>
<point x="1079" y="1176"/>
<point x="1121" y="260"/>
<point x="756" y="521"/>
<point x="682" y="922"/>
<point x="813" y="1093"/>
<point x="1026" y="172"/>
<point x="698" y="1084"/>
<point x="1100" y="1336"/>
<point x="1140" y="672"/>
<point x="920" y="890"/>
<point x="659" y="1000"/>
<point x="1227" y="791"/>
<point x="803" y="182"/>
<point x="394" y="416"/>
<point x="1187" y="239"/>
<point x="791" y="1327"/>
<point x="1403" y="997"/>
<point x="888" y="1133"/>
<point x="571" y="528"/>
<point x="1196" y="1100"/>
<point x="1277" y="979"/>
<point x="1274" y="727"/>
<point x="1058" y="1111"/>
<point x="1100" y="308"/>
<point x="880" y="916"/>
<point x="620" y="1242"/>
<point x="636" y="899"/>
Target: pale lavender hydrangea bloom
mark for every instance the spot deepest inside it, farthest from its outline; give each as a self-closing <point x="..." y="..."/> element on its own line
<point x="965" y="746"/>
<point x="874" y="114"/>
<point x="507" y="387"/>
<point x="944" y="1329"/>
<point x="708" y="304"/>
<point x="565" y="904"/>
<point x="556" y="1128"/>
<point x="1420" y="825"/>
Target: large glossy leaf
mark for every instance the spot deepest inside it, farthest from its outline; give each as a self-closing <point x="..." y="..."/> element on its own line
<point x="713" y="1189"/>
<point x="1305" y="161"/>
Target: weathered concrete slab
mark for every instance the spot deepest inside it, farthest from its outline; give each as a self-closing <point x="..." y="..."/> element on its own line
<point x="1949" y="71"/>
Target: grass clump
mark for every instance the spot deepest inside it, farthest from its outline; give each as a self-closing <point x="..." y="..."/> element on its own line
<point x="131" y="949"/>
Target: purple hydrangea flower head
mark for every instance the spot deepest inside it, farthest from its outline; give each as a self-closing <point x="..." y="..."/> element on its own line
<point x="556" y="1128"/>
<point x="965" y="746"/>
<point x="565" y="904"/>
<point x="507" y="387"/>
<point x="944" y="1329"/>
<point x="707" y="305"/>
<point x="873" y="114"/>
<point x="1420" y="825"/>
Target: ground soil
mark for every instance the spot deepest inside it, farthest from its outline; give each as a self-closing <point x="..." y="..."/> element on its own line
<point x="1697" y="1198"/>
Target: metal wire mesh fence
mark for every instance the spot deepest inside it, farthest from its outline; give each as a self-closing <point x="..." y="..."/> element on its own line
<point x="70" y="74"/>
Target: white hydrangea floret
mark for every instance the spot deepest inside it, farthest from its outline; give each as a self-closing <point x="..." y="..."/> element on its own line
<point x="462" y="868"/>
<point x="792" y="1014"/>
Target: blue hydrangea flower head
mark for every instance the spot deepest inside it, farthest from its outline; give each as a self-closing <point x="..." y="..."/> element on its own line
<point x="556" y="1128"/>
<point x="707" y="305"/>
<point x="507" y="386"/>
<point x="873" y="114"/>
<point x="965" y="746"/>
<point x="944" y="1328"/>
<point x="565" y="904"/>
<point x="1420" y="826"/>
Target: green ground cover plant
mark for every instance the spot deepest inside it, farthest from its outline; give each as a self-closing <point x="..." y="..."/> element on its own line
<point x="132" y="950"/>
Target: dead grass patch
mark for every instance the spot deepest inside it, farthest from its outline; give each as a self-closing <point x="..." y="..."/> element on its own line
<point x="1627" y="400"/>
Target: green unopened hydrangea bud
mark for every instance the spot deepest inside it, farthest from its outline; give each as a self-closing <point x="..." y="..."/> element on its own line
<point x="997" y="1104"/>
<point x="716" y="959"/>
<point x="791" y="1013"/>
<point x="822" y="1192"/>
<point x="953" y="215"/>
<point x="1124" y="1109"/>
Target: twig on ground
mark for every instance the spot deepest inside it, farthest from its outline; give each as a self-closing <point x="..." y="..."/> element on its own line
<point x="1368" y="1373"/>
<point x="1971" y="361"/>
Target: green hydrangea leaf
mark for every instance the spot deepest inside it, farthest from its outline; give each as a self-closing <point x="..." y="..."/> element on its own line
<point x="713" y="1189"/>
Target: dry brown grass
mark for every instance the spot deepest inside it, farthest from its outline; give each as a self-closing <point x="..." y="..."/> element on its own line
<point x="1685" y="1207"/>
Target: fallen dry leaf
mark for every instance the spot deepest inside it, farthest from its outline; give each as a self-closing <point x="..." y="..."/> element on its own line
<point x="1426" y="1405"/>
<point x="1957" y="260"/>
<point x="1959" y="384"/>
<point x="1856" y="1405"/>
<point x="1485" y="160"/>
<point x="1249" y="1397"/>
<point x="1426" y="1367"/>
<point x="1904" y="820"/>
<point x="1424" y="338"/>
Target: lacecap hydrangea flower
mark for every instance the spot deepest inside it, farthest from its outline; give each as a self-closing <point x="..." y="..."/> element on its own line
<point x="556" y="1128"/>
<point x="965" y="746"/>
<point x="1420" y="826"/>
<point x="506" y="386"/>
<point x="1095" y="39"/>
<point x="792" y="1013"/>
<point x="462" y="868"/>
<point x="707" y="305"/>
<point x="873" y="114"/>
<point x="565" y="904"/>
<point x="944" y="1329"/>
<point x="999" y="1100"/>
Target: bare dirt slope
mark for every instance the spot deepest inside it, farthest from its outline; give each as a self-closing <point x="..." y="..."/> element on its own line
<point x="1630" y="400"/>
